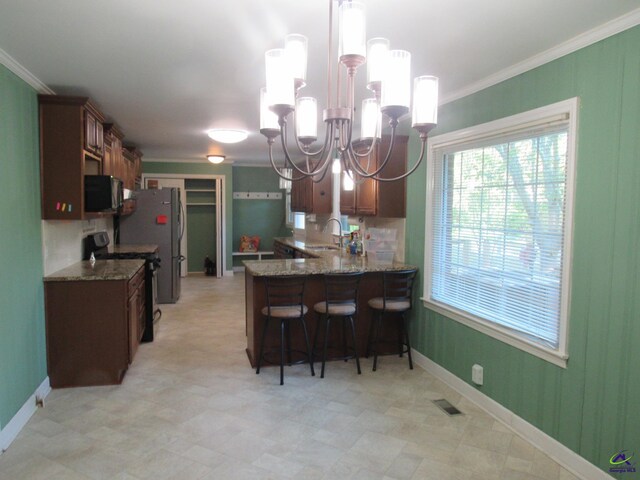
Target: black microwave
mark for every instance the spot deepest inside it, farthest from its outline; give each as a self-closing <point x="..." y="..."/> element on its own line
<point x="102" y="193"/>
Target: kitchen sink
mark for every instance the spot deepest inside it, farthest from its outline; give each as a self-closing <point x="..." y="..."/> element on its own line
<point x="321" y="247"/>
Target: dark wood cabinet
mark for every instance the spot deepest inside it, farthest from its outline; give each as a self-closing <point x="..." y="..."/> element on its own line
<point x="93" y="329"/>
<point x="311" y="196"/>
<point x="71" y="146"/>
<point x="113" y="151"/>
<point x="374" y="198"/>
<point x="93" y="132"/>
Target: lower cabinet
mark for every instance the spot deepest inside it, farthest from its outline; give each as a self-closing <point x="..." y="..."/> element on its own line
<point x="93" y="329"/>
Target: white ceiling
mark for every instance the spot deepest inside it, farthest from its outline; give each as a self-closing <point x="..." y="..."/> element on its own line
<point x="168" y="71"/>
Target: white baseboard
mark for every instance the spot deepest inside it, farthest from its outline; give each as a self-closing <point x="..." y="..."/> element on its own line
<point x="238" y="269"/>
<point x="9" y="433"/>
<point x="228" y="273"/>
<point x="563" y="455"/>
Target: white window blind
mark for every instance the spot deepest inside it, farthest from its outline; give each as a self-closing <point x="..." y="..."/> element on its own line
<point x="498" y="224"/>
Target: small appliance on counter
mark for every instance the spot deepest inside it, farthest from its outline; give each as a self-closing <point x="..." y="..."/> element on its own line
<point x="96" y="246"/>
<point x="158" y="219"/>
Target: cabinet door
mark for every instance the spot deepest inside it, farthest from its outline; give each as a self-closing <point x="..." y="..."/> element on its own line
<point x="366" y="192"/>
<point x="321" y="194"/>
<point x="298" y="195"/>
<point x="107" y="162"/>
<point x="133" y="326"/>
<point x="392" y="196"/>
<point x="89" y="131"/>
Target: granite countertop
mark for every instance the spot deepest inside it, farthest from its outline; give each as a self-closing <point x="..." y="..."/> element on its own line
<point x="327" y="261"/>
<point x="150" y="248"/>
<point x="102" y="270"/>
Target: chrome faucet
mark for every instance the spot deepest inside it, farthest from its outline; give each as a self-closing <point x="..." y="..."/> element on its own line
<point x="340" y="233"/>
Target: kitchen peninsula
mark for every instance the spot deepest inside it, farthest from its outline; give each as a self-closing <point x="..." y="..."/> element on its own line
<point x="318" y="259"/>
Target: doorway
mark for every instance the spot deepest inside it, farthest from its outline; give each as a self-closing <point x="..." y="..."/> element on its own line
<point x="203" y="211"/>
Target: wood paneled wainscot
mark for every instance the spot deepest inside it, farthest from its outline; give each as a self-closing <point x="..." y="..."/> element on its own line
<point x="95" y="319"/>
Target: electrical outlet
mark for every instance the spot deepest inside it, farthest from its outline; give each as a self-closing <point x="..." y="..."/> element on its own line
<point x="477" y="374"/>
<point x="39" y="401"/>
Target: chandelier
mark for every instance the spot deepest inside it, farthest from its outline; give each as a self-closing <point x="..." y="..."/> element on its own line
<point x="388" y="78"/>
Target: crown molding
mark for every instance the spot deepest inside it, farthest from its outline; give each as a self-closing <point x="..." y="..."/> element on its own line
<point x="24" y="74"/>
<point x="185" y="160"/>
<point x="583" y="40"/>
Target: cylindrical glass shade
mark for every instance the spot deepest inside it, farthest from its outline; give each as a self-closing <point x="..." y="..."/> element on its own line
<point x="335" y="166"/>
<point x="347" y="181"/>
<point x="280" y="90"/>
<point x="353" y="33"/>
<point x="307" y="117"/>
<point x="425" y="100"/>
<point x="370" y="122"/>
<point x="377" y="51"/>
<point x="396" y="85"/>
<point x="295" y="47"/>
<point x="268" y="119"/>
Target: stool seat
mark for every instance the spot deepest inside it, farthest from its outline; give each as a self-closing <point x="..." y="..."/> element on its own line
<point x="378" y="303"/>
<point x="338" y="309"/>
<point x="292" y="311"/>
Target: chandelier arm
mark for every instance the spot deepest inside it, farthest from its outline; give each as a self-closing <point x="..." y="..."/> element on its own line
<point x="320" y="151"/>
<point x="283" y="135"/>
<point x="376" y="172"/>
<point x="413" y="169"/>
<point x="275" y="168"/>
<point x="325" y="169"/>
<point x="355" y="165"/>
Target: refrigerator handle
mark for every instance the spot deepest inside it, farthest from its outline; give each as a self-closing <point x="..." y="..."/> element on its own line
<point x="182" y="220"/>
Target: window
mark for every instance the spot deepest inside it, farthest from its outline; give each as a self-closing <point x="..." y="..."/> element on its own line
<point x="499" y="228"/>
<point x="295" y="220"/>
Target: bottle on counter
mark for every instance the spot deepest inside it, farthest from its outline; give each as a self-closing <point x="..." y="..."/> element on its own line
<point x="353" y="244"/>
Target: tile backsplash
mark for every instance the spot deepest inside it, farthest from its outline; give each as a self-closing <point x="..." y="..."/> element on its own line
<point x="62" y="240"/>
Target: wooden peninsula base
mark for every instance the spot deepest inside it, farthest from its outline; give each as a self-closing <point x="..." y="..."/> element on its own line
<point x="314" y="268"/>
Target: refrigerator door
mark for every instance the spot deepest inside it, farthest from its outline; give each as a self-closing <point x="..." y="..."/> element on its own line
<point x="154" y="222"/>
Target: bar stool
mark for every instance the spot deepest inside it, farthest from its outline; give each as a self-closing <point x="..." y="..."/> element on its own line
<point x="397" y="287"/>
<point x="284" y="296"/>
<point x="341" y="300"/>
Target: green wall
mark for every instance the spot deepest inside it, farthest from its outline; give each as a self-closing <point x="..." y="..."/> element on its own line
<point x="184" y="168"/>
<point x="592" y="405"/>
<point x="23" y="364"/>
<point x="264" y="218"/>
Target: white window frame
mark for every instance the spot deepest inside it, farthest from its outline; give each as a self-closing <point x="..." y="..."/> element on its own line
<point x="565" y="111"/>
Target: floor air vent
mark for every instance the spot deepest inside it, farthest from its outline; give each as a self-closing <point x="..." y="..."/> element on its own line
<point x="447" y="407"/>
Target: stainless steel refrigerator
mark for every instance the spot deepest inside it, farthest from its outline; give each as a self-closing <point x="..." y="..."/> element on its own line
<point x="158" y="219"/>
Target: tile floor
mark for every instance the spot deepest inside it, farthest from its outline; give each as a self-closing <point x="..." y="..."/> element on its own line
<point x="190" y="407"/>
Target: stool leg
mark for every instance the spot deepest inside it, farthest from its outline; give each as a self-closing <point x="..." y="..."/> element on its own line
<point x="326" y="339"/>
<point x="264" y="334"/>
<point x="288" y="332"/>
<point x="306" y="341"/>
<point x="370" y="336"/>
<point x="315" y="337"/>
<point x="401" y="338"/>
<point x="344" y="339"/>
<point x="282" y="329"/>
<point x="355" y="347"/>
<point x="406" y="334"/>
<point x="375" y="342"/>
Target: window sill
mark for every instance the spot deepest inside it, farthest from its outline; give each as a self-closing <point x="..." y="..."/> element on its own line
<point x="502" y="334"/>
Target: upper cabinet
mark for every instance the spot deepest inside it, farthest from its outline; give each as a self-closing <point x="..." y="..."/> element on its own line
<point x="312" y="194"/>
<point x="74" y="142"/>
<point x="375" y="198"/>
<point x="71" y="146"/>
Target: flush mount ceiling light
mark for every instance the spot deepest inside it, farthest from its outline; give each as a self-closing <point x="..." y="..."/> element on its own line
<point x="215" y="158"/>
<point x="388" y="77"/>
<point x="227" y="135"/>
